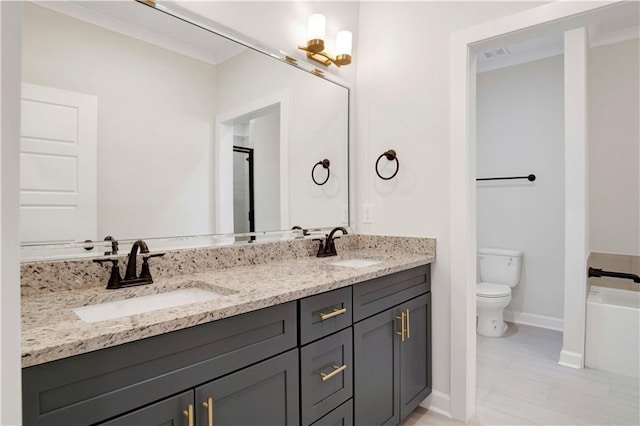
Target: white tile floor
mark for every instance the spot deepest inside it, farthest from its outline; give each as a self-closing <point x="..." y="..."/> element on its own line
<point x="519" y="382"/>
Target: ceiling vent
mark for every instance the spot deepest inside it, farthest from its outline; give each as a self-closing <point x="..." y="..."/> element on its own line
<point x="495" y="53"/>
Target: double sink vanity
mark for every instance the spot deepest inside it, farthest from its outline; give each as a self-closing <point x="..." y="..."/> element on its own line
<point x="254" y="334"/>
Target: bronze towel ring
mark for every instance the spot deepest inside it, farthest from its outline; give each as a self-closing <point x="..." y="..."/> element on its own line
<point x="325" y="164"/>
<point x="390" y="155"/>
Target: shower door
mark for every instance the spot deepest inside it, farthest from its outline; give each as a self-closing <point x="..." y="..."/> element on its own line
<point x="243" y="190"/>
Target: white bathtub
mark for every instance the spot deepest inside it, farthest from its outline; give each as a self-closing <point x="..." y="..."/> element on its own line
<point x="613" y="331"/>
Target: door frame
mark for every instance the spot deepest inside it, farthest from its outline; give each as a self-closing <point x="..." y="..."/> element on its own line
<point x="550" y="18"/>
<point x="10" y="79"/>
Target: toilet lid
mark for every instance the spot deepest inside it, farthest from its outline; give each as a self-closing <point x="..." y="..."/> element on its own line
<point x="492" y="290"/>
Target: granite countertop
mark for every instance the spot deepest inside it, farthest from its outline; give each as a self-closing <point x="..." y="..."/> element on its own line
<point x="51" y="330"/>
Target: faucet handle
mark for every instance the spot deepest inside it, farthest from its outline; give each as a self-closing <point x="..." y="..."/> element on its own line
<point x="115" y="278"/>
<point x="147" y="256"/>
<point x="320" y="247"/>
<point x="145" y="272"/>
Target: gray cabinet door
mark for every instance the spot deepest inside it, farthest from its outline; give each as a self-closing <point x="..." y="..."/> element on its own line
<point x="332" y="358"/>
<point x="415" y="355"/>
<point x="168" y="412"/>
<point x="264" y="394"/>
<point x="377" y="370"/>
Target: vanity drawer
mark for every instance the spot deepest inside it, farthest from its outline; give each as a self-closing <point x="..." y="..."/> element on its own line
<point x="95" y="386"/>
<point x="379" y="294"/>
<point x="324" y="313"/>
<point x="326" y="375"/>
<point x="341" y="416"/>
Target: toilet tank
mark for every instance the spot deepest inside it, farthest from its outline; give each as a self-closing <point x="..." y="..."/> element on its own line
<point x="500" y="266"/>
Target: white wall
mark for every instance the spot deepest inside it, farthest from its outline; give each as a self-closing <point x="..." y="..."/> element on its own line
<point x="520" y="130"/>
<point x="402" y="99"/>
<point x="155" y="122"/>
<point x="614" y="148"/>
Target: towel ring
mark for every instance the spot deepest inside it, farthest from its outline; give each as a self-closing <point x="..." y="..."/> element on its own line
<point x="390" y="155"/>
<point x="325" y="164"/>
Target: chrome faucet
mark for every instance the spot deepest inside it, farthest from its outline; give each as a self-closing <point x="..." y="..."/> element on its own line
<point x="329" y="246"/>
<point x="131" y="278"/>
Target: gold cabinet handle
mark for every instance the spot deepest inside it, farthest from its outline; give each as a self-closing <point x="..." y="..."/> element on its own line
<point x="333" y="313"/>
<point x="336" y="370"/>
<point x="408" y="325"/>
<point x="402" y="329"/>
<point x="188" y="413"/>
<point x="208" y="404"/>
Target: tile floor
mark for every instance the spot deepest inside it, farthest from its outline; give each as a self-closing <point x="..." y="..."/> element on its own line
<point x="519" y="382"/>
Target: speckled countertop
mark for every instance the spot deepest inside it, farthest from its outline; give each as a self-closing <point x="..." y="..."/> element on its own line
<point x="51" y="330"/>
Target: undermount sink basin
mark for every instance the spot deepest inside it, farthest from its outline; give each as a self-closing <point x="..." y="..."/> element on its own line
<point x="355" y="263"/>
<point x="138" y="305"/>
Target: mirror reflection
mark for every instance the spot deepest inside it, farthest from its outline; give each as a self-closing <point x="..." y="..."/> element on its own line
<point x="137" y="124"/>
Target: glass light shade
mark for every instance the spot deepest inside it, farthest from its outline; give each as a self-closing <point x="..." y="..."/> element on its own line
<point x="343" y="43"/>
<point x="315" y="30"/>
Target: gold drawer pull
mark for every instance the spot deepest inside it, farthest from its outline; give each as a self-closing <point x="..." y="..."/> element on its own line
<point x="333" y="313"/>
<point x="408" y="325"/>
<point x="336" y="370"/>
<point x="188" y="413"/>
<point x="402" y="326"/>
<point x="208" y="404"/>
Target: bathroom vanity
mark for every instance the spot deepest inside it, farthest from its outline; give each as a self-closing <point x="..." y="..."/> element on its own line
<point x="300" y="341"/>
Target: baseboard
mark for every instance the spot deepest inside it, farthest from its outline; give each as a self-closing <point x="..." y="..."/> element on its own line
<point x="438" y="402"/>
<point x="535" y="320"/>
<point x="571" y="359"/>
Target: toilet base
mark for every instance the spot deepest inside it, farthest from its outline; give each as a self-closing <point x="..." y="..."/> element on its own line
<point x="491" y="323"/>
<point x="492" y="328"/>
<point x="490" y="316"/>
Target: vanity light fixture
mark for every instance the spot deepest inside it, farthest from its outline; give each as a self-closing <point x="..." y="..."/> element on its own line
<point x="315" y="43"/>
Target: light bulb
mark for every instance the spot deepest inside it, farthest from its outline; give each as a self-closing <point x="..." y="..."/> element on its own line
<point x="343" y="43"/>
<point x="315" y="31"/>
<point x="343" y="48"/>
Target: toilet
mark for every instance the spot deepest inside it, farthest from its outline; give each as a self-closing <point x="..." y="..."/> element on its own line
<point x="499" y="273"/>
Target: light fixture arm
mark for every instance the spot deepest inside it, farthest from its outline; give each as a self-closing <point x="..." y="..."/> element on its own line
<point x="326" y="59"/>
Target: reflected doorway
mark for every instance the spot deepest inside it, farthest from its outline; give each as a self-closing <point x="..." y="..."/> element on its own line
<point x="259" y="129"/>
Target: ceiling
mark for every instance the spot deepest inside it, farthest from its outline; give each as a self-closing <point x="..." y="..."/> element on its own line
<point x="611" y="26"/>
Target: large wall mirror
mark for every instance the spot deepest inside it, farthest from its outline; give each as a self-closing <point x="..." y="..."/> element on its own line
<point x="139" y="124"/>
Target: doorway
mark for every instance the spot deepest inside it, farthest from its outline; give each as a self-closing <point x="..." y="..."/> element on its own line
<point x="263" y="126"/>
<point x="571" y="19"/>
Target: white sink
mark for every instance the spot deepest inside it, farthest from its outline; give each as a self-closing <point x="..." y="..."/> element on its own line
<point x="355" y="263"/>
<point x="138" y="305"/>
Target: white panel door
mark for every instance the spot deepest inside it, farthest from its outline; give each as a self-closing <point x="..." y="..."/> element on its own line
<point x="58" y="162"/>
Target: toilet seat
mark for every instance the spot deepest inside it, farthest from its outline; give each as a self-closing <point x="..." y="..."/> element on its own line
<point x="491" y="290"/>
